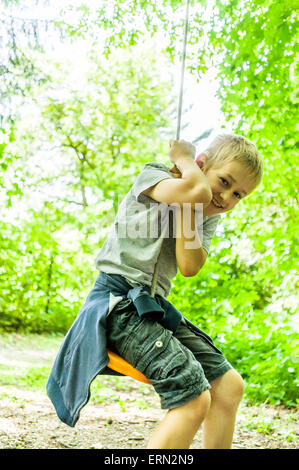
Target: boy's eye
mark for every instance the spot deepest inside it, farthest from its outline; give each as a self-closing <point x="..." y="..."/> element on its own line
<point x="224" y="181"/>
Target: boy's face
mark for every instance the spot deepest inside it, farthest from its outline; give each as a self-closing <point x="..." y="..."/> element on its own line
<point x="230" y="182"/>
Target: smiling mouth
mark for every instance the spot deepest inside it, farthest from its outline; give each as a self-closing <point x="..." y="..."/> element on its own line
<point x="216" y="204"/>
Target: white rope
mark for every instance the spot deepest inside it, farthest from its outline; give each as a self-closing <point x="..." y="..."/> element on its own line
<point x="182" y="73"/>
<point x="156" y="271"/>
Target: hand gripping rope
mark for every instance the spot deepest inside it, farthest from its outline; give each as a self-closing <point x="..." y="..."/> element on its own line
<point x="116" y="362"/>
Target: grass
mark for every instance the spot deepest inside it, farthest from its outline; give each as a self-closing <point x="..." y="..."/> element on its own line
<point x="26" y="360"/>
<point x="270" y="425"/>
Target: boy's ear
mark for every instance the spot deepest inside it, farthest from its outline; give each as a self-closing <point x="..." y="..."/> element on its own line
<point x="201" y="161"/>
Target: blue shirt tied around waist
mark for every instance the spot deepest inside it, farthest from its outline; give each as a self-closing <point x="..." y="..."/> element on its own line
<point x="83" y="353"/>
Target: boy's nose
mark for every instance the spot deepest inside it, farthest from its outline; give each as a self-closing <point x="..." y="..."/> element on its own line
<point x="224" y="198"/>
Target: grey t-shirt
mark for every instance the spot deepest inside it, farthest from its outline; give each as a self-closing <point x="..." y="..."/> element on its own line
<point x="140" y="227"/>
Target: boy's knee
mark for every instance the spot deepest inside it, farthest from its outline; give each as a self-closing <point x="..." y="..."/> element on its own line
<point x="228" y="389"/>
<point x="241" y="384"/>
<point x="197" y="409"/>
<point x="237" y="385"/>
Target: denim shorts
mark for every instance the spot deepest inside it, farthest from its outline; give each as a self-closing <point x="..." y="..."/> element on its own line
<point x="180" y="366"/>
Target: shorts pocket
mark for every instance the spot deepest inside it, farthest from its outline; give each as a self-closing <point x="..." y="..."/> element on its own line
<point x="174" y="370"/>
<point x="173" y="364"/>
<point x="147" y="346"/>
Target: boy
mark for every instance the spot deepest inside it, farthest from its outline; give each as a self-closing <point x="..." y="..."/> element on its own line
<point x="194" y="380"/>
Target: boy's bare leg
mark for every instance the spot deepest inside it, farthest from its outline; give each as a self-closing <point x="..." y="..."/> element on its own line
<point x="218" y="427"/>
<point x="177" y="429"/>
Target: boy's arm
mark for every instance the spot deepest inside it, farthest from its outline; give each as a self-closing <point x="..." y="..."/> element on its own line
<point x="190" y="259"/>
<point x="192" y="187"/>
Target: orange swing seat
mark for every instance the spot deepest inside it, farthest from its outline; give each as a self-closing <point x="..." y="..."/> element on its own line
<point x="120" y="365"/>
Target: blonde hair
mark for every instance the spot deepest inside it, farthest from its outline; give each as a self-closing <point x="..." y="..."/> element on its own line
<point x="229" y="147"/>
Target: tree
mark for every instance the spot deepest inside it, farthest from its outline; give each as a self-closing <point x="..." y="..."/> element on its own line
<point x="18" y="71"/>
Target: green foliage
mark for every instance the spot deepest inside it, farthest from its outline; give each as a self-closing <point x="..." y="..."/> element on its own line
<point x="40" y="281"/>
<point x="125" y="23"/>
<point x="271" y="426"/>
<point x="111" y="122"/>
<point x="35" y="378"/>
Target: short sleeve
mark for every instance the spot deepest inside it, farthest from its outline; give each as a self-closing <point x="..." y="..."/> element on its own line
<point x="151" y="174"/>
<point x="209" y="228"/>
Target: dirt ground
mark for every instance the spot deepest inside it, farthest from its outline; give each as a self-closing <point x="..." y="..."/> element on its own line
<point x="121" y="413"/>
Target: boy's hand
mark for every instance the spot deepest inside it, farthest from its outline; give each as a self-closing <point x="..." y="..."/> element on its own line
<point x="175" y="172"/>
<point x="181" y="149"/>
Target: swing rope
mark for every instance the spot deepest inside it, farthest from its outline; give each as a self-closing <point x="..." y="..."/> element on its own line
<point x="116" y="362"/>
<point x="178" y="131"/>
<point x="182" y="73"/>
